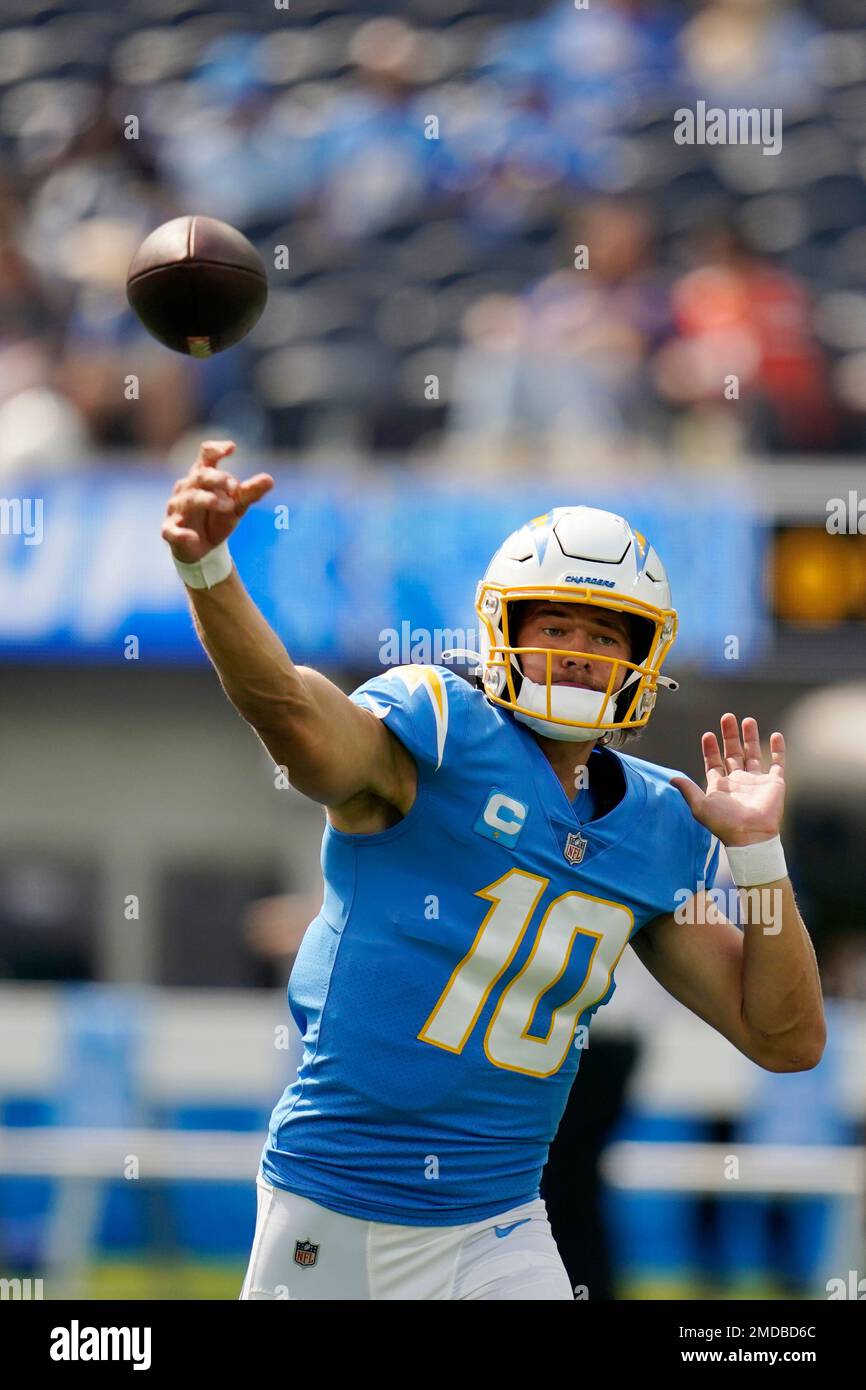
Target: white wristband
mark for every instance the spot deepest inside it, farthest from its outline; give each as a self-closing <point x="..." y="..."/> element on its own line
<point x="751" y="865"/>
<point x="211" y="569"/>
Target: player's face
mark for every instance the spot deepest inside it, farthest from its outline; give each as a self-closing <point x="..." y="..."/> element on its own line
<point x="574" y="628"/>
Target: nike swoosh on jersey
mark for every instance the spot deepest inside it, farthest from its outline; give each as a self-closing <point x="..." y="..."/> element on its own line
<point x="503" y="1231"/>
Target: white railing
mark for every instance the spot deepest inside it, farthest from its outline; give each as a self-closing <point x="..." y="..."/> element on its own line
<point x="803" y="1170"/>
<point x="807" y="1170"/>
<point x="67" y="1152"/>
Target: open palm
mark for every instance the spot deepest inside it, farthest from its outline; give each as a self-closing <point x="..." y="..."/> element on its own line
<point x="742" y="804"/>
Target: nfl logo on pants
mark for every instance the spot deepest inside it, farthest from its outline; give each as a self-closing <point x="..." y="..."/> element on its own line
<point x="575" y="848"/>
<point x="305" y="1252"/>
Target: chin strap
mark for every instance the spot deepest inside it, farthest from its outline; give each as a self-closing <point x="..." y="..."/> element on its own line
<point x="665" y="681"/>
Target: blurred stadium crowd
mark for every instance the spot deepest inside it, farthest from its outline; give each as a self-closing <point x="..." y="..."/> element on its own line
<point x="430" y="168"/>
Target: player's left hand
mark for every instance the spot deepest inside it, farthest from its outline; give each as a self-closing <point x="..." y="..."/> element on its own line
<point x="742" y="803"/>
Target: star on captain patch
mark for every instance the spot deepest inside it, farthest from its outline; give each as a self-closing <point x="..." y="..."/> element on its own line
<point x="575" y="847"/>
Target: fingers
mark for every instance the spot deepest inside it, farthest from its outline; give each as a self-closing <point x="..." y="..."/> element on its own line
<point x="745" y="756"/>
<point x="690" y="791"/>
<point x="176" y="534"/>
<point x="734" y="756"/>
<point x="261" y="482"/>
<point x="210" y="489"/>
<point x="252" y="490"/>
<point x="777" y="756"/>
<point x="211" y="451"/>
<point x="212" y="478"/>
<point x="712" y="756"/>
<point x="191" y="497"/>
<point x="204" y="472"/>
<point x="752" y="744"/>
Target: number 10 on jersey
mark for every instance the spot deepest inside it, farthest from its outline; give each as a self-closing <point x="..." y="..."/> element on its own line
<point x="507" y="1041"/>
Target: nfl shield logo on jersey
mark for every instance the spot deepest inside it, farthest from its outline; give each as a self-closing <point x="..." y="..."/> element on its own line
<point x="305" y="1252"/>
<point x="575" y="847"/>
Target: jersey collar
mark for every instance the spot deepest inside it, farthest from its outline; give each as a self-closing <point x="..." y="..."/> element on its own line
<point x="619" y="789"/>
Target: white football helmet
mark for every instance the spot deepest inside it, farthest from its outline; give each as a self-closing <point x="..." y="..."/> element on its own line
<point x="587" y="556"/>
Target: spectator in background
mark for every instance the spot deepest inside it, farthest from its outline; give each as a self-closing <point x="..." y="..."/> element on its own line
<point x="752" y="53"/>
<point x="325" y="144"/>
<point x="31" y="316"/>
<point x="274" y="927"/>
<point x="600" y="66"/>
<point x="374" y="160"/>
<point x="97" y="173"/>
<point x="39" y="428"/>
<point x="566" y="364"/>
<point x="230" y="152"/>
<point x="105" y="346"/>
<point x="505" y="158"/>
<point x="573" y="84"/>
<point x="745" y="324"/>
<point x="63" y="312"/>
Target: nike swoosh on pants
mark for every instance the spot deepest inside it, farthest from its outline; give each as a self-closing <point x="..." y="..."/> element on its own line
<point x="502" y="1231"/>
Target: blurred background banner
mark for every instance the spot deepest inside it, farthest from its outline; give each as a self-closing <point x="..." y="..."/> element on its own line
<point x="499" y="282"/>
<point x="335" y="563"/>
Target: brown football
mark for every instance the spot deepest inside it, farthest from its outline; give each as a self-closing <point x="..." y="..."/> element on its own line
<point x="197" y="285"/>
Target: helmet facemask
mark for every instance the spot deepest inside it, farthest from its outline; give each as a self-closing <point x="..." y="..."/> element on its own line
<point x="576" y="555"/>
<point x="564" y="712"/>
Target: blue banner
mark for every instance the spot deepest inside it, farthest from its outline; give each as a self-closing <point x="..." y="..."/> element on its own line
<point x="337" y="560"/>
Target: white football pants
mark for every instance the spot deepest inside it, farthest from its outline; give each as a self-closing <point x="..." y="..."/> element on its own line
<point x="305" y="1251"/>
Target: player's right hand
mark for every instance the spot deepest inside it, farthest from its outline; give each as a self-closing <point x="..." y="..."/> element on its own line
<point x="206" y="505"/>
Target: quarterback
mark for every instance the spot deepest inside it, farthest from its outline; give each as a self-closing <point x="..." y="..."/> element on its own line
<point x="489" y="853"/>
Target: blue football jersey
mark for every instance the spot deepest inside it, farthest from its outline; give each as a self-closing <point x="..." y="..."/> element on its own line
<point x="445" y="988"/>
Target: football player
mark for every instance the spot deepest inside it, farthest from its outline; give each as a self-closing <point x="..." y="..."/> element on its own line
<point x="487" y="859"/>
